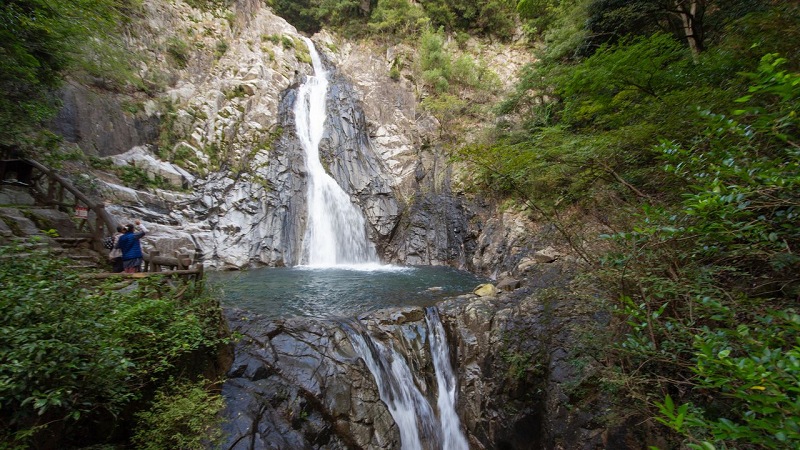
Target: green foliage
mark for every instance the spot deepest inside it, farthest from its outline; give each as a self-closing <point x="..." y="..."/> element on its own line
<point x="398" y="18"/>
<point x="183" y="415"/>
<point x="300" y="13"/>
<point x="39" y="41"/>
<point x="706" y="273"/>
<point x="220" y="47"/>
<point x="465" y="71"/>
<point x="537" y="15"/>
<point x="489" y="17"/>
<point x="178" y="51"/>
<point x="208" y="5"/>
<point x="139" y="178"/>
<point x="710" y="286"/>
<point x="59" y="362"/>
<point x="619" y="83"/>
<point x="588" y="129"/>
<point x="302" y="52"/>
<point x="72" y="352"/>
<point x="347" y="15"/>
<point x="434" y="61"/>
<point x="447" y="109"/>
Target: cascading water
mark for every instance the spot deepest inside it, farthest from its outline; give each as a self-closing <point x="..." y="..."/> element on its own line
<point x="335" y="230"/>
<point x="453" y="438"/>
<point x="419" y="426"/>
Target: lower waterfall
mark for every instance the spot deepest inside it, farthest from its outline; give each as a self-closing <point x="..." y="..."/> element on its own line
<point x="452" y="436"/>
<point x="420" y="428"/>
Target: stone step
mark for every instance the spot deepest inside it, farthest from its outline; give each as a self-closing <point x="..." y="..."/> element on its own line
<point x="73" y="242"/>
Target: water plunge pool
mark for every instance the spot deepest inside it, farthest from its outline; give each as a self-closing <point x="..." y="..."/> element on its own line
<point x="338" y="291"/>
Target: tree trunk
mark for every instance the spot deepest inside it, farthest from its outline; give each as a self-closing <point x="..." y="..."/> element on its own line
<point x="691" y="14"/>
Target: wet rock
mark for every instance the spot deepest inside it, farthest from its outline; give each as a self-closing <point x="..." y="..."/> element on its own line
<point x="298" y="384"/>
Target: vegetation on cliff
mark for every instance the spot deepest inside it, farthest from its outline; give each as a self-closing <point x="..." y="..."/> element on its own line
<point x="687" y="152"/>
<point x="41" y="42"/>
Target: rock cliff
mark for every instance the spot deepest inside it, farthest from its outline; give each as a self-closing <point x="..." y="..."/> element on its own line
<point x="215" y="128"/>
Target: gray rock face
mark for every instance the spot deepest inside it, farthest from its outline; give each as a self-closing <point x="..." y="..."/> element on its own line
<point x="232" y="142"/>
<point x="299" y="384"/>
<point x="519" y="359"/>
<point x="434" y="230"/>
<point x="98" y="123"/>
<point x="352" y="161"/>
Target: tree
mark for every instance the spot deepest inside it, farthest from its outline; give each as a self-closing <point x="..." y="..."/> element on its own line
<point x="689" y="20"/>
<point x="398" y="18"/>
<point x="40" y="40"/>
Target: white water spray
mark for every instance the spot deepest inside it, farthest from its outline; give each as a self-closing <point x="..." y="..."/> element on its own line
<point x="335" y="231"/>
<point x="452" y="437"/>
<point x="419" y="426"/>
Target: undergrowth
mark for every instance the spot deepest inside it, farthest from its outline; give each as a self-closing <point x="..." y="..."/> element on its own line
<point x="77" y="357"/>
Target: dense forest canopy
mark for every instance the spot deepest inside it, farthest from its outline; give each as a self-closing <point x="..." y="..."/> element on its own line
<point x="673" y="124"/>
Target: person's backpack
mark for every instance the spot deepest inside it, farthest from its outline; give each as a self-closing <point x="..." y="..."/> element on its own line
<point x="108" y="242"/>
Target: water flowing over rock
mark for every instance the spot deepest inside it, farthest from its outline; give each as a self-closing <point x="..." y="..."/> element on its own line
<point x="229" y="125"/>
<point x="364" y="384"/>
<point x="335" y="231"/>
<point x="381" y="382"/>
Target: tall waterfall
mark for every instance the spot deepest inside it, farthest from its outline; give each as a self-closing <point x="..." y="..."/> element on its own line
<point x="335" y="230"/>
<point x="420" y="428"/>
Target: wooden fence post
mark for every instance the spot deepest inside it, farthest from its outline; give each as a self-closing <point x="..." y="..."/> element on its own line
<point x="154" y="266"/>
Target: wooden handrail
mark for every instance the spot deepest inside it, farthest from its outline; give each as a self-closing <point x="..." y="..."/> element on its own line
<point x="98" y="208"/>
<point x="156" y="258"/>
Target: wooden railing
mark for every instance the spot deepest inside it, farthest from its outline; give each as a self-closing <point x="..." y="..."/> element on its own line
<point x="54" y="190"/>
<point x="157" y="265"/>
<point x="53" y="193"/>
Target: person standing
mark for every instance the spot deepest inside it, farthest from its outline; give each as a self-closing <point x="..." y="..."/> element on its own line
<point x="115" y="255"/>
<point x="131" y="247"/>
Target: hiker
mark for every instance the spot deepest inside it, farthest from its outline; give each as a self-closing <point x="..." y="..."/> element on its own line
<point x="132" y="248"/>
<point x="115" y="255"/>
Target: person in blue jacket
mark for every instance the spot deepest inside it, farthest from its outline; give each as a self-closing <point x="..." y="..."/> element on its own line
<point x="132" y="248"/>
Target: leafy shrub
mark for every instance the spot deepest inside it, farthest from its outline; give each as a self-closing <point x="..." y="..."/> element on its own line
<point x="398" y="18"/>
<point x="41" y="41"/>
<point x="58" y="361"/>
<point x="185" y="415"/>
<point x="178" y="51"/>
<point x="220" y="47"/>
<point x="287" y="42"/>
<point x="139" y="178"/>
<point x="208" y="5"/>
<point x="711" y="287"/>
<point x="72" y="352"/>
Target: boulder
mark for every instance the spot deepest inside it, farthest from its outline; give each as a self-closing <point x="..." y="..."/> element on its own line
<point x="508" y="284"/>
<point x="16" y="195"/>
<point x="485" y="290"/>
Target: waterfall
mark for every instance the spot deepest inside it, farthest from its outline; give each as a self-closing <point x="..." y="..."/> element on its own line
<point x="453" y="438"/>
<point x="420" y="428"/>
<point x="335" y="230"/>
